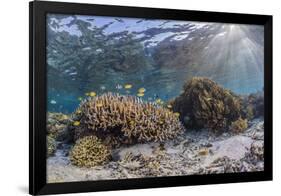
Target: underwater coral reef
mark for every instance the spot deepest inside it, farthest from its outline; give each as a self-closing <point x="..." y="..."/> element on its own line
<point x="126" y="119"/>
<point x="133" y="98"/>
<point x="206" y="129"/>
<point x="205" y="104"/>
<point x="224" y="153"/>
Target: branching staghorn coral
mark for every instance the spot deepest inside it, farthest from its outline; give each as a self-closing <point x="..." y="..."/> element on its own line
<point x="126" y="119"/>
<point x="205" y="104"/>
<point x="89" y="152"/>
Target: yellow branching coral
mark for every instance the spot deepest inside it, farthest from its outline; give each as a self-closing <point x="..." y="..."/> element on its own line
<point x="127" y="118"/>
<point x="89" y="152"/>
<point x="239" y="125"/>
<point x="204" y="103"/>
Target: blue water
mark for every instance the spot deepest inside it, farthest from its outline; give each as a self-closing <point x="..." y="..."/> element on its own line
<point x="103" y="54"/>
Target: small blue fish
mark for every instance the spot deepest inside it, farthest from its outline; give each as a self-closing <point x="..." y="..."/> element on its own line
<point x="53" y="102"/>
<point x="118" y="86"/>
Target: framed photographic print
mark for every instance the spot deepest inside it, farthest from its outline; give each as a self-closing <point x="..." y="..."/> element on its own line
<point x="129" y="98"/>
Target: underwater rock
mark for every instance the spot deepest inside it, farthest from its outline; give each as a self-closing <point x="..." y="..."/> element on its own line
<point x="126" y="120"/>
<point x="89" y="152"/>
<point x="51" y="146"/>
<point x="205" y="104"/>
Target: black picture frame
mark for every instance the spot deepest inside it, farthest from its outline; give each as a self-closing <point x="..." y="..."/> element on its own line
<point x="38" y="95"/>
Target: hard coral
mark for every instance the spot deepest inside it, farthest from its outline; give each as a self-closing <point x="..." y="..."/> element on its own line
<point x="89" y="152"/>
<point x="57" y="124"/>
<point x="239" y="125"/>
<point x="205" y="104"/>
<point x="255" y="101"/>
<point x="126" y="119"/>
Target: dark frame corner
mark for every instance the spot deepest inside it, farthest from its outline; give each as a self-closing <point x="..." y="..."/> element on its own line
<point x="37" y="97"/>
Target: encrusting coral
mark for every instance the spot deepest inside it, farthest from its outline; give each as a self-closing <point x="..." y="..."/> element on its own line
<point x="89" y="152"/>
<point x="125" y="120"/>
<point x="205" y="104"/>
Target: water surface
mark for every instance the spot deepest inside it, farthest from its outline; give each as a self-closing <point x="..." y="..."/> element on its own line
<point x="103" y="54"/>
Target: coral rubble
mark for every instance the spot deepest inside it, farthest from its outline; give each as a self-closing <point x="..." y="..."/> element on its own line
<point x="126" y="120"/>
<point x="89" y="152"/>
<point x="205" y="104"/>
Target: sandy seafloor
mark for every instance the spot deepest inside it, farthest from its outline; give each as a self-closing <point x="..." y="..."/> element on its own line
<point x="195" y="152"/>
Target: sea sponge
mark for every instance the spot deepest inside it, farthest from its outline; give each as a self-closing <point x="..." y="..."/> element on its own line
<point x="239" y="125"/>
<point x="51" y="146"/>
<point x="89" y="152"/>
<point x="126" y="119"/>
<point x="205" y="104"/>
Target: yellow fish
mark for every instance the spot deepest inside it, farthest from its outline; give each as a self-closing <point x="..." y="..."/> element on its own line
<point x="93" y="94"/>
<point x="76" y="123"/>
<point x="80" y="98"/>
<point x="141" y="90"/>
<point x="128" y="86"/>
<point x="99" y="105"/>
<point x="177" y="114"/>
<point x="87" y="94"/>
<point x="140" y="94"/>
<point x="78" y="112"/>
<point x="158" y="101"/>
<point x="169" y="106"/>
